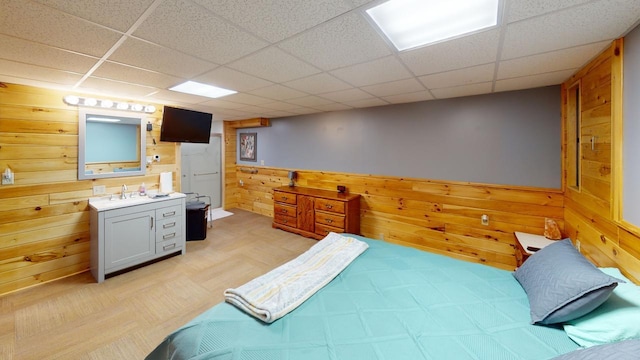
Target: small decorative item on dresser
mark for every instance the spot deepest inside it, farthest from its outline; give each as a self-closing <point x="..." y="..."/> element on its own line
<point x="292" y="176"/>
<point x="341" y="189"/>
<point x="528" y="244"/>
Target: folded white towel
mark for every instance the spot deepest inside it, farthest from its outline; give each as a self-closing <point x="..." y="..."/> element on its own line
<point x="276" y="293"/>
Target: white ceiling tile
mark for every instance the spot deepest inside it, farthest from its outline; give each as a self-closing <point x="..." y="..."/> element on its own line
<point x="277" y="20"/>
<point x="318" y="84"/>
<point x="129" y="74"/>
<point x="247" y="99"/>
<point x="409" y="97"/>
<point x="593" y="22"/>
<point x="278" y="114"/>
<point x="116" y="14"/>
<point x="232" y="79"/>
<point x="558" y="60"/>
<point x="374" y="72"/>
<point x="310" y="101"/>
<point x="154" y="57"/>
<point x="303" y="111"/>
<point x="367" y="103"/>
<point x="185" y="26"/>
<point x="39" y="23"/>
<point x="480" y="48"/>
<point x="178" y="97"/>
<point x="29" y="52"/>
<point x="346" y="40"/>
<point x="466" y="76"/>
<point x="333" y="107"/>
<point x="33" y="72"/>
<point x="222" y="104"/>
<point x="114" y="88"/>
<point x="280" y="106"/>
<point x="459" y="91"/>
<point x="523" y="9"/>
<point x="394" y="88"/>
<point x="533" y="81"/>
<point x="275" y="65"/>
<point x="278" y="92"/>
<point x="343" y="96"/>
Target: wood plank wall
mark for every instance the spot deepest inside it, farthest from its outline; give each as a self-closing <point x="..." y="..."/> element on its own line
<point x="44" y="217"/>
<point x="589" y="210"/>
<point x="437" y="216"/>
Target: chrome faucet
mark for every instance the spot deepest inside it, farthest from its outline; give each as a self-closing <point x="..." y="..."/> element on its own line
<point x="123" y="194"/>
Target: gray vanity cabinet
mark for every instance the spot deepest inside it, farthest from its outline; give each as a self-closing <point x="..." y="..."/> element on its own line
<point x="127" y="236"/>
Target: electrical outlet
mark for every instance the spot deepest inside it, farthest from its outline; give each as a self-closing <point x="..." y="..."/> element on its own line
<point x="381" y="236"/>
<point x="241" y="183"/>
<point x="484" y="219"/>
<point x="99" y="190"/>
<point x="578" y="245"/>
<point x="261" y="162"/>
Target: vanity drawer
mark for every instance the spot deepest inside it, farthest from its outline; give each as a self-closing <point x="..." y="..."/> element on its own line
<point x="286" y="210"/>
<point x="169" y="246"/>
<point x="168" y="212"/>
<point x="168" y="229"/>
<point x="285" y="220"/>
<point x="285" y="197"/>
<point x="330" y="205"/>
<point x="330" y="219"/>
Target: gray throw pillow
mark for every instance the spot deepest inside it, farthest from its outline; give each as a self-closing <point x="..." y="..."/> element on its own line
<point x="561" y="284"/>
<point x="623" y="350"/>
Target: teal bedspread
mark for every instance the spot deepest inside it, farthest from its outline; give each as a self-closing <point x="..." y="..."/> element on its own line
<point x="392" y="302"/>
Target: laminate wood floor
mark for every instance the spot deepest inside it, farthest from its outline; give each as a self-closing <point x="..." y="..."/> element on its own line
<point x="128" y="315"/>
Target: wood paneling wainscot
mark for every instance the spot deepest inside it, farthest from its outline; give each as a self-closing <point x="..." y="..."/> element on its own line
<point x="44" y="217"/>
<point x="589" y="209"/>
<point x="437" y="216"/>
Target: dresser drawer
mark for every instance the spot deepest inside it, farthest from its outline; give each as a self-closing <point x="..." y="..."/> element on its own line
<point x="284" y="197"/>
<point x="330" y="219"/>
<point x="324" y="230"/>
<point x="285" y="220"/>
<point x="286" y="210"/>
<point x="330" y="205"/>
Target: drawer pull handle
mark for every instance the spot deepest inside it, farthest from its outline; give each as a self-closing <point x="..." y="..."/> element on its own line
<point x="284" y="211"/>
<point x="168" y="236"/>
<point x="170" y="246"/>
<point x="329" y="221"/>
<point x="285" y="221"/>
<point x="166" y="226"/>
<point x="328" y="206"/>
<point x="152" y="223"/>
<point x="169" y="214"/>
<point x="284" y="198"/>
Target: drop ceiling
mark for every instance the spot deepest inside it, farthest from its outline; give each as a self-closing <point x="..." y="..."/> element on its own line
<point x="291" y="57"/>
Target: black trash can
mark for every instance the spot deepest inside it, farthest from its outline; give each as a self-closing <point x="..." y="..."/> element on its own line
<point x="197" y="220"/>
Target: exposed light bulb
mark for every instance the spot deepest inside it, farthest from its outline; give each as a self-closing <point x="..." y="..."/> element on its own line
<point x="150" y="109"/>
<point x="123" y="106"/>
<point x="71" y="100"/>
<point x="90" y="102"/>
<point x="106" y="103"/>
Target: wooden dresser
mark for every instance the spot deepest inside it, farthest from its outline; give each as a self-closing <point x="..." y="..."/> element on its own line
<point x="315" y="212"/>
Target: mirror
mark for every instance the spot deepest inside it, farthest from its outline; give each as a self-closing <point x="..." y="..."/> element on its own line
<point x="110" y="144"/>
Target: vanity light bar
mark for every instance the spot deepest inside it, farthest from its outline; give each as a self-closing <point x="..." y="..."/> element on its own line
<point x="107" y="104"/>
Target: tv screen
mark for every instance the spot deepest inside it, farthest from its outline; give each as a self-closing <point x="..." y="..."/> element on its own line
<point x="181" y="125"/>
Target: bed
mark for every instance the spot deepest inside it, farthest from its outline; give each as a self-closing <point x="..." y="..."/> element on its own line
<point x="391" y="302"/>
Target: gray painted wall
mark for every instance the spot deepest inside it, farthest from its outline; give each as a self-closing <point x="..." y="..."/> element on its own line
<point x="510" y="138"/>
<point x="631" y="146"/>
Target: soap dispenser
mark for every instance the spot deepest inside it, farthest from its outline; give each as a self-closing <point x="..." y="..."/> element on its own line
<point x="142" y="190"/>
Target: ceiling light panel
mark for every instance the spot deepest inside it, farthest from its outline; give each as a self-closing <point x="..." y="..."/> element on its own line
<point x="412" y="23"/>
<point x="196" y="88"/>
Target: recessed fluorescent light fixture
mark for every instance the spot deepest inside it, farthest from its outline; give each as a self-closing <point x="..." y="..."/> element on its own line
<point x="196" y="88"/>
<point x="412" y="23"/>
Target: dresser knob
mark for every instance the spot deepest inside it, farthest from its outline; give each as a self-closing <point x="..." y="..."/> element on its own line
<point x="329" y="221"/>
<point x="328" y="206"/>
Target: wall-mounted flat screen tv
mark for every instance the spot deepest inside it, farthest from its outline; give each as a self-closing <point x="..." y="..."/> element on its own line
<point x="182" y="125"/>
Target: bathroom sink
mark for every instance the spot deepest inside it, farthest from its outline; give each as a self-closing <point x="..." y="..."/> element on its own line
<point x="113" y="202"/>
